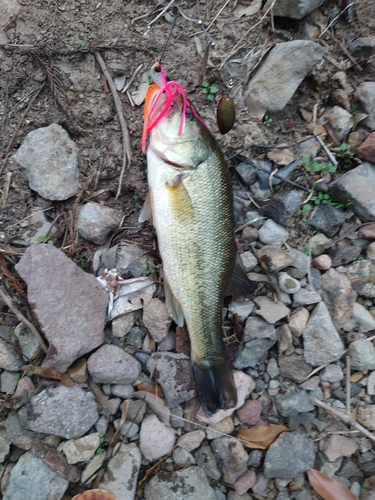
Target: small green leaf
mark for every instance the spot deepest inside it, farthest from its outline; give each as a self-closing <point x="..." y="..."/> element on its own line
<point x="213" y="89"/>
<point x="205" y="84"/>
<point x="211" y="97"/>
<point x="205" y="91"/>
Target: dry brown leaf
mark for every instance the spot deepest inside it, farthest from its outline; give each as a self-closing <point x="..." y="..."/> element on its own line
<point x="150" y="473"/>
<point x="49" y="372"/>
<point x="261" y="437"/>
<point x="281" y="156"/>
<point x="328" y="488"/>
<point x="95" y="495"/>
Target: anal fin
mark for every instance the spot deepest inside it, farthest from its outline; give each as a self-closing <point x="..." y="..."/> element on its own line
<point x="239" y="283"/>
<point x="173" y="306"/>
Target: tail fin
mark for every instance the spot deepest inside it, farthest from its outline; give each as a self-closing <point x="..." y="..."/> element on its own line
<point x="215" y="385"/>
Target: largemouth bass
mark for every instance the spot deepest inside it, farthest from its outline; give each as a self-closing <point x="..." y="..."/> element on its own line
<point x="191" y="204"/>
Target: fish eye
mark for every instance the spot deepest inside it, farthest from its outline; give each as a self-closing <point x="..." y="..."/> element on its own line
<point x="189" y="113"/>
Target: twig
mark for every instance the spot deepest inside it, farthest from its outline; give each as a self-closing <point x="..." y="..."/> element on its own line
<point x="6" y="187"/>
<point x="329" y="154"/>
<point x="217" y="15"/>
<point x="132" y="78"/>
<point x="348" y="385"/>
<point x="126" y="156"/>
<point x="317" y="369"/>
<point x="8" y="301"/>
<point x="347" y="419"/>
<point x="335" y="18"/>
<point x="345" y="50"/>
<point x="161" y="13"/>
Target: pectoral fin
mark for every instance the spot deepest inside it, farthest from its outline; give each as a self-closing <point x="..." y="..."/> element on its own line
<point x="173" y="306"/>
<point x="146" y="212"/>
<point x="181" y="205"/>
<point x="239" y="283"/>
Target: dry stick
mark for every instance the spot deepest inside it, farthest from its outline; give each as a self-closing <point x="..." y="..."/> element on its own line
<point x="161" y="13"/>
<point x="126" y="156"/>
<point x="347" y="419"/>
<point x="335" y="18"/>
<point x="8" y="301"/>
<point x="329" y="154"/>
<point x="345" y="50"/>
<point x="217" y="15"/>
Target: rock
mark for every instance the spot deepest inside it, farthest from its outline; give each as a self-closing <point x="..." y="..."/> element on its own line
<point x="273" y="258"/>
<point x="322" y="262"/>
<point x="49" y="159"/>
<point x="4" y="444"/>
<point x="156" y="439"/>
<point x="341" y="99"/>
<point x="249" y="413"/>
<point x="345" y="254"/>
<point x="290" y="405"/>
<point x="284" y="340"/>
<point x="361" y="320"/>
<point x="232" y="458"/>
<point x="288" y="284"/>
<point x="249" y="234"/>
<point x="190" y="484"/>
<point x="338" y="446"/>
<point x="121" y="474"/>
<point x="282" y="207"/>
<point x="332" y="373"/>
<point x="289" y="8"/>
<point x="257" y="328"/>
<point x="249" y="260"/>
<point x="298" y="321"/>
<point x="112" y="365"/>
<point x="272" y="368"/>
<point x="356" y="138"/>
<point x="247" y="172"/>
<point x="93" y="466"/>
<point x="70" y="304"/>
<point x="207" y="461"/>
<point x="174" y="374"/>
<point x="362" y="355"/>
<point x="290" y="455"/>
<point x="245" y="482"/>
<point x="279" y="76"/>
<point x="366" y="416"/>
<point x="242" y="309"/>
<point x="272" y="233"/>
<point x="8" y="382"/>
<point x="68" y="412"/>
<point x="339" y="296"/>
<point x="265" y="168"/>
<point x="294" y="367"/>
<point x="182" y="458"/>
<point x="252" y="352"/>
<point x="328" y="219"/>
<point x="371" y="384"/>
<point x="271" y="311"/>
<point x="358" y="184"/>
<point x="81" y="450"/>
<point x="156" y="319"/>
<point x="301" y="264"/>
<point x="9" y="360"/>
<point x="122" y="391"/>
<point x="318" y="244"/>
<point x="26" y="339"/>
<point x="30" y="478"/>
<point x="131" y="260"/>
<point x="129" y="429"/>
<point x="366" y="150"/>
<point x="362" y="48"/>
<point x="362" y="277"/>
<point x="136" y="410"/>
<point x="78" y="371"/>
<point x="341" y="120"/>
<point x="365" y="97"/>
<point x="367" y="232"/>
<point x="322" y="343"/>
<point x="121" y="326"/>
<point x="169" y="343"/>
<point x="225" y="426"/>
<point x="95" y="221"/>
<point x="191" y="440"/>
<point x="306" y="297"/>
<point x="40" y="226"/>
<point x="244" y="385"/>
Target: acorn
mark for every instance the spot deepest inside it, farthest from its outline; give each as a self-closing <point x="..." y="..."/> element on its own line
<point x="225" y="114"/>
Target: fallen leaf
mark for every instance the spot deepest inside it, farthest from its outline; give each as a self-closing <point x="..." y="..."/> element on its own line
<point x="328" y="488"/>
<point x="95" y="495"/>
<point x="49" y="372"/>
<point x="139" y="95"/>
<point x="155" y="404"/>
<point x="151" y="388"/>
<point x="150" y="473"/>
<point x="249" y="10"/>
<point x="281" y="156"/>
<point x="261" y="437"/>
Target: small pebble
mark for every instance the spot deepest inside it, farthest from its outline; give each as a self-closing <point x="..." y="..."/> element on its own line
<point x="250" y="412"/>
<point x="322" y="262"/>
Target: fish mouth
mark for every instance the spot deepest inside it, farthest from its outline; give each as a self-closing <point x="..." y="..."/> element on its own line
<point x="169" y="162"/>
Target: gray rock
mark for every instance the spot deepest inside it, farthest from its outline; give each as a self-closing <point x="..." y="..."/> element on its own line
<point x="182" y="458"/>
<point x="121" y="326"/>
<point x="318" y="244"/>
<point x="328" y="219"/>
<point x="70" y="304"/>
<point x="27" y="341"/>
<point x="247" y="171"/>
<point x="174" y="374"/>
<point x="290" y="455"/>
<point x="9" y="360"/>
<point x="273" y="258"/>
<point x="156" y="319"/>
<point x="156" y="439"/>
<point x="272" y="311"/>
<point x="295" y="10"/>
<point x="362" y="355"/>
<point x="8" y="382"/>
<point x="48" y="157"/>
<point x="207" y="461"/>
<point x="255" y="218"/>
<point x="252" y="352"/>
<point x="306" y="297"/>
<point x="284" y="340"/>
<point x="290" y="405"/>
<point x="232" y="458"/>
<point x="131" y="260"/>
<point x="362" y="48"/>
<point x="169" y="343"/>
<point x="361" y="319"/>
<point x="121" y="474"/>
<point x="282" y="206"/>
<point x="112" y="365"/>
<point x="322" y="343"/>
<point x="4" y="444"/>
<point x="40" y="226"/>
<point x="332" y="373"/>
<point x="136" y="410"/>
<point x="189" y="484"/>
<point x="82" y="449"/>
<point x="341" y="120"/>
<point x="249" y="260"/>
<point x="129" y="429"/>
<point x="241" y="309"/>
<point x="257" y="328"/>
<point x="122" y="391"/>
<point x="32" y="479"/>
<point x="294" y="367"/>
<point x="272" y="368"/>
<point x="286" y="65"/>
<point x="301" y="264"/>
<point x="288" y="284"/>
<point x="68" y="412"/>
<point x="272" y="233"/>
<point x="339" y="296"/>
<point x="96" y="221"/>
<point x="365" y="96"/>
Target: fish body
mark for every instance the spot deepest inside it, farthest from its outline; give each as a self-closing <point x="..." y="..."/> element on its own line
<point x="191" y="202"/>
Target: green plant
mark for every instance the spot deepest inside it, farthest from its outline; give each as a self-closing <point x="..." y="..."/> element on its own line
<point x="258" y="41"/>
<point x="100" y="448"/>
<point x="142" y="159"/>
<point x="150" y="269"/>
<point x="134" y="143"/>
<point x="307" y="249"/>
<point x="44" y="239"/>
<point x="135" y="196"/>
<point x="267" y="120"/>
<point x="304" y="212"/>
<point x="354" y="109"/>
<point x="338" y="204"/>
<point x="209" y="90"/>
<point x="344" y="152"/>
<point x="82" y="259"/>
<point x="323" y="199"/>
<point x="314" y="166"/>
<point x="80" y="43"/>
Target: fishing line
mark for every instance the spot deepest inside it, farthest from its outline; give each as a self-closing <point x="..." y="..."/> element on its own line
<point x="168" y="39"/>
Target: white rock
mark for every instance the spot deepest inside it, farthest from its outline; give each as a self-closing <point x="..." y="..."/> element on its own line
<point x="288" y="284"/>
<point x="82" y="449"/>
<point x="341" y="120"/>
<point x="225" y="426"/>
<point x="361" y="319"/>
<point x="242" y="309"/>
<point x="272" y="233"/>
<point x="191" y="440"/>
<point x="249" y="260"/>
<point x="156" y="439"/>
<point x="92" y="467"/>
<point x="122" y="325"/>
<point x="298" y="321"/>
<point x="156" y="319"/>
